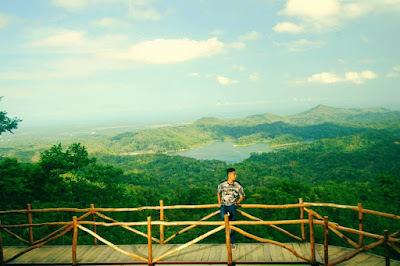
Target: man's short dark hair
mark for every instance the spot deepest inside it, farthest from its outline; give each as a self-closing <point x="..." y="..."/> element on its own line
<point x="230" y="170"/>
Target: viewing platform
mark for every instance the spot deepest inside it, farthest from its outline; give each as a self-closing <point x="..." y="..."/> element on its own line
<point x="158" y="250"/>
<point x="208" y="254"/>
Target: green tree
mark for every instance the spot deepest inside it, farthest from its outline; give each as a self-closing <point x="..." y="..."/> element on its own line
<point x="6" y="123"/>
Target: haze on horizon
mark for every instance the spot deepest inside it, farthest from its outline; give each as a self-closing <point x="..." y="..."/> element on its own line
<point x="112" y="62"/>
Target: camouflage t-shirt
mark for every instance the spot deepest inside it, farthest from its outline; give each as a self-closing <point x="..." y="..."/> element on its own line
<point x="230" y="193"/>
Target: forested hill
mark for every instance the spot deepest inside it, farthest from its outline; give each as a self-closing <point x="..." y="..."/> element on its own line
<point x="317" y="123"/>
<point x="352" y="156"/>
<point x="324" y="114"/>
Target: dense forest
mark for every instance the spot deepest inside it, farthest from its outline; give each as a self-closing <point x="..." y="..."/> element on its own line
<point x="342" y="156"/>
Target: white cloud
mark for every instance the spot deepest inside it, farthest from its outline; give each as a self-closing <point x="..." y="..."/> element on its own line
<point x="5" y="21"/>
<point x="300" y="45"/>
<point x="217" y="32"/>
<point x="166" y="51"/>
<point x="136" y="9"/>
<point x="394" y="73"/>
<point x="79" y="5"/>
<point x="368" y="74"/>
<point x="62" y="38"/>
<point x="226" y="81"/>
<point x="324" y="77"/>
<point x="287" y="27"/>
<point x="311" y="8"/>
<point x="75" y="42"/>
<point x="360" y="78"/>
<point x="144" y="14"/>
<point x="254" y="77"/>
<point x="65" y="68"/>
<point x="329" y="15"/>
<point x="71" y="5"/>
<point x="109" y="22"/>
<point x="365" y="39"/>
<point x="240" y="68"/>
<point x="301" y="100"/>
<point x="353" y="77"/>
<point x="250" y="36"/>
<point x="236" y="45"/>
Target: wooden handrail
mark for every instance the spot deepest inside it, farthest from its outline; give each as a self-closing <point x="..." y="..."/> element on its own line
<point x="205" y="206"/>
<point x="313" y="219"/>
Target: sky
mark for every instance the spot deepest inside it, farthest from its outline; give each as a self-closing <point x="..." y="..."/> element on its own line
<point x="114" y="61"/>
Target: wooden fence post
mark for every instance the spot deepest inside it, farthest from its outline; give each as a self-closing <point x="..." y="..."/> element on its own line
<point x="1" y="247"/>
<point x="149" y="243"/>
<point x="228" y="239"/>
<point x="303" y="231"/>
<point x="360" y="224"/>
<point x="385" y="244"/>
<point x="94" y="220"/>
<point x="74" y="240"/>
<point x="326" y="232"/>
<point x="30" y="222"/>
<point x="312" y="241"/>
<point x="161" y="225"/>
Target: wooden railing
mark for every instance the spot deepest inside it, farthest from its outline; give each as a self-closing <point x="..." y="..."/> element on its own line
<point x="314" y="219"/>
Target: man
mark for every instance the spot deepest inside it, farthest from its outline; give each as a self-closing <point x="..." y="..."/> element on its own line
<point x="230" y="194"/>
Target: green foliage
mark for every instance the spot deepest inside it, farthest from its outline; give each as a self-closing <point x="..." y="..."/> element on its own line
<point x="6" y="123"/>
<point x="343" y="163"/>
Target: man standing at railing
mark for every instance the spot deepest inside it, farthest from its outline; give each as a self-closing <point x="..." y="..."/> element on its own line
<point x="230" y="194"/>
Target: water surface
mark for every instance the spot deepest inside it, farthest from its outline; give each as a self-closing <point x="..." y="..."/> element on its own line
<point x="225" y="151"/>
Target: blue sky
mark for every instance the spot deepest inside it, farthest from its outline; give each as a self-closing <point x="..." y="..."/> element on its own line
<point x="134" y="60"/>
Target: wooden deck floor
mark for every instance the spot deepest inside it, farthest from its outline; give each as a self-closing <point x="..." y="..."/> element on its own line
<point x="195" y="253"/>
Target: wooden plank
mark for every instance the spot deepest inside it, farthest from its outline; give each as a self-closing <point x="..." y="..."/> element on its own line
<point x="181" y="255"/>
<point x="84" y="252"/>
<point x="216" y="253"/>
<point x="267" y="252"/>
<point x="207" y="253"/>
<point x="260" y="252"/>
<point x="287" y="255"/>
<point x="9" y="252"/>
<point x="375" y="262"/>
<point x="203" y="252"/>
<point x="254" y="251"/>
<point x="239" y="253"/>
<point x="276" y="253"/>
<point x="359" y="259"/>
<point x="223" y="253"/>
<point x="305" y="248"/>
<point x="318" y="257"/>
<point x="212" y="252"/>
<point x="141" y="250"/>
<point x="116" y="256"/>
<point x="62" y="254"/>
<point x="104" y="254"/>
<point x="297" y="248"/>
<point x="199" y="253"/>
<point x="190" y="253"/>
<point x="92" y="256"/>
<point x="247" y="256"/>
<point x="173" y="257"/>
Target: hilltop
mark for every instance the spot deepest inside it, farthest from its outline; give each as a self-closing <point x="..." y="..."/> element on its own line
<point x="316" y="123"/>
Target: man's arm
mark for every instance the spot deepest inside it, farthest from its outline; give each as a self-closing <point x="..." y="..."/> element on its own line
<point x="240" y="200"/>
<point x="219" y="198"/>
